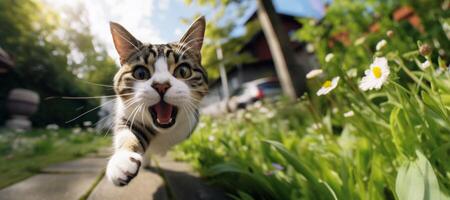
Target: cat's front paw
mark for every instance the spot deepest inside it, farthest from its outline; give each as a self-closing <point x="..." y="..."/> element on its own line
<point x="123" y="166"/>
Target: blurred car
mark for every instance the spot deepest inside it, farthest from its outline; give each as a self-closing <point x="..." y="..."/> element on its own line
<point x="215" y="109"/>
<point x="250" y="92"/>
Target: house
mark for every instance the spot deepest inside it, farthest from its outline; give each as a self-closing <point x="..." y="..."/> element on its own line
<point x="263" y="66"/>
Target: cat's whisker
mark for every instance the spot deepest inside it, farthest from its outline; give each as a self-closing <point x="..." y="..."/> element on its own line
<point x="130" y="103"/>
<point x="127" y="104"/>
<point x="109" y="129"/>
<point x="102" y="119"/>
<point x="195" y="100"/>
<point x="188" y="116"/>
<point x="135" y="114"/>
<point x="142" y="115"/>
<point x="191" y="106"/>
<point x="198" y="90"/>
<point x="132" y="113"/>
<point x="184" y="43"/>
<point x="107" y="102"/>
<point x="185" y="47"/>
<point x="94" y="97"/>
<point x="189" y="35"/>
<point x="194" y="112"/>
<point x="188" y="48"/>
<point x="194" y="109"/>
<point x="97" y="84"/>
<point x="121" y="36"/>
<point x="192" y="32"/>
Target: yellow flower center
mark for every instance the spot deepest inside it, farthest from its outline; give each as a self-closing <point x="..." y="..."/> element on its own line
<point x="327" y="84"/>
<point x="376" y="71"/>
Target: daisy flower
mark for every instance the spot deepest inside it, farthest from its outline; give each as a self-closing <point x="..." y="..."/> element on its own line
<point x="349" y="114"/>
<point x="314" y="73"/>
<point x="381" y="44"/>
<point x="328" y="86"/>
<point x="376" y="76"/>
<point x="329" y="57"/>
<point x="425" y="65"/>
<point x="360" y="41"/>
<point x="390" y="33"/>
<point x="352" y="73"/>
<point x="316" y="126"/>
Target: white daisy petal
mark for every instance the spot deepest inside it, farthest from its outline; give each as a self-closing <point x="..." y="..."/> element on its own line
<point x="364" y="86"/>
<point x="314" y="73"/>
<point x="425" y="65"/>
<point x="329" y="57"/>
<point x="381" y="44"/>
<point x="349" y="114"/>
<point x="352" y="73"/>
<point x="360" y="41"/>
<point x="379" y="61"/>
<point x="335" y="81"/>
<point x="320" y="92"/>
<point x="376" y="75"/>
<point x="328" y="86"/>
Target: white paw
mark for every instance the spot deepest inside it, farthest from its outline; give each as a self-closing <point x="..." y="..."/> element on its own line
<point x="123" y="166"/>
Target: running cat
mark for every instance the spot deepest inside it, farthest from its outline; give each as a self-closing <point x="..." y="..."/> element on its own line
<point x="159" y="88"/>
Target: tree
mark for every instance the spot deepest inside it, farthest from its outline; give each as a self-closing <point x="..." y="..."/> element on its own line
<point x="290" y="74"/>
<point x="219" y="29"/>
<point x="92" y="64"/>
<point x="43" y="63"/>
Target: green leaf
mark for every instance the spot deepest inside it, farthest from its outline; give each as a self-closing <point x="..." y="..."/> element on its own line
<point x="416" y="180"/>
<point x="301" y="168"/>
<point x="245" y="196"/>
<point x="257" y="180"/>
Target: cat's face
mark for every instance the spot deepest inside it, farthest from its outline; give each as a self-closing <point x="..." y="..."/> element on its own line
<point x="162" y="80"/>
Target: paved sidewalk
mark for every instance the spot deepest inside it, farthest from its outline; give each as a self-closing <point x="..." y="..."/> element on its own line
<point x="84" y="178"/>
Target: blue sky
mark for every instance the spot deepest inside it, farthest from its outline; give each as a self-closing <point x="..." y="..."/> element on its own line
<point x="159" y="21"/>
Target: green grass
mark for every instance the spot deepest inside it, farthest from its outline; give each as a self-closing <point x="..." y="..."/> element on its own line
<point x="395" y="146"/>
<point x="26" y="153"/>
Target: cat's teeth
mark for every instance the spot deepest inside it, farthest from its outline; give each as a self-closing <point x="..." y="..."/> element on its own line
<point x="170" y="121"/>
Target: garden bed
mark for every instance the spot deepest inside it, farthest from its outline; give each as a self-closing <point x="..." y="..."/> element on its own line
<point x="382" y="132"/>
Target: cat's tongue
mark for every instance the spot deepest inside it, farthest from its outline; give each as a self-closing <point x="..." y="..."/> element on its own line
<point x="163" y="112"/>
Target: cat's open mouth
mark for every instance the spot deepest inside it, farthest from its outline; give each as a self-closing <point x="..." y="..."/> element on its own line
<point x="163" y="114"/>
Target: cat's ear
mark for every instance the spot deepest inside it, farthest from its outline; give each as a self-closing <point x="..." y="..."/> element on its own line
<point x="124" y="42"/>
<point x="193" y="38"/>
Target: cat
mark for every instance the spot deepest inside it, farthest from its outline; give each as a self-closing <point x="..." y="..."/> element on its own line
<point x="159" y="88"/>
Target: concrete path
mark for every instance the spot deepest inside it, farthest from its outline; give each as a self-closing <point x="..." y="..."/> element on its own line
<point x="84" y="179"/>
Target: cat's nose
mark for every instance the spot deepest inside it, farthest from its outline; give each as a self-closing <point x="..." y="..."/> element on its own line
<point x="161" y="88"/>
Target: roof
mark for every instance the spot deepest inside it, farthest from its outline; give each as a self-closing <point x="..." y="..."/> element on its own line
<point x="296" y="8"/>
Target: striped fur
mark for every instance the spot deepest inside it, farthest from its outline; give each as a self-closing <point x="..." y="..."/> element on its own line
<point x="175" y="55"/>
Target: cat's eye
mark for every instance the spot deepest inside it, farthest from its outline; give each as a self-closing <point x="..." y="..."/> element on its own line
<point x="141" y="73"/>
<point x="183" y="71"/>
